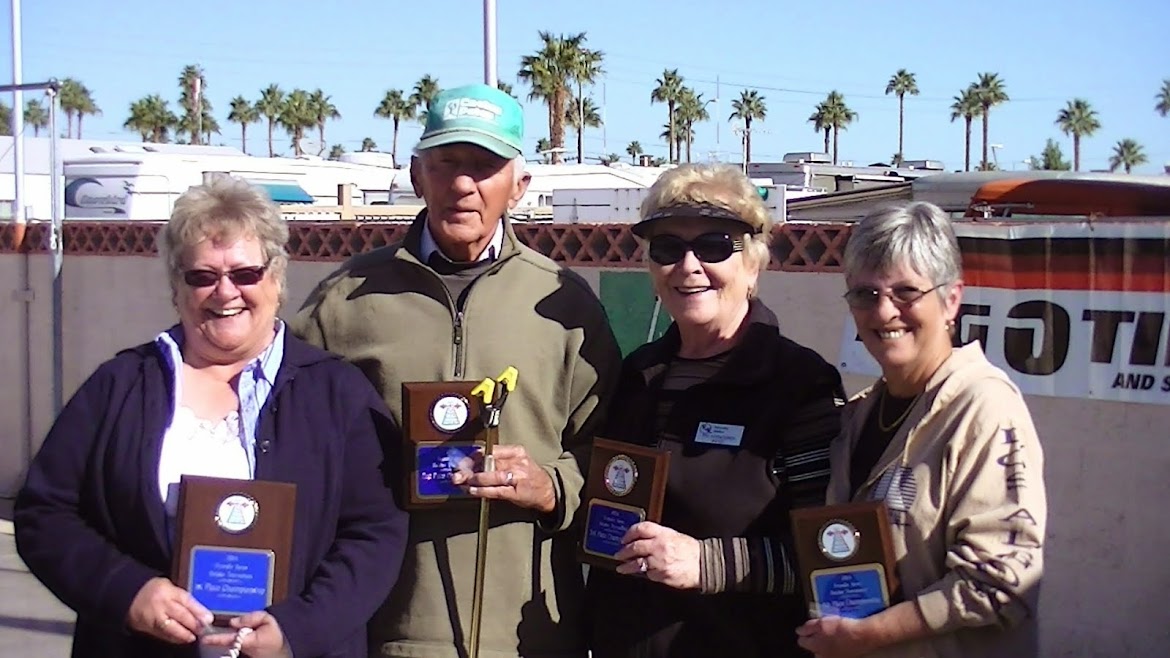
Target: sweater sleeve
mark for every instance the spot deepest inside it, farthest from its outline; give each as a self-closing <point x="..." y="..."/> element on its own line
<point x="55" y="536"/>
<point x="995" y="521"/>
<point x="766" y="564"/>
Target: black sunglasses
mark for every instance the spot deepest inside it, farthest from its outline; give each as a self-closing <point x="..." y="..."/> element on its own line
<point x="865" y="298"/>
<point x="241" y="276"/>
<point x="708" y="247"/>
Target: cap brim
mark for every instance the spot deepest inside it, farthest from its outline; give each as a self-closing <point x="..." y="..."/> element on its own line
<point x="705" y="211"/>
<point x="466" y="136"/>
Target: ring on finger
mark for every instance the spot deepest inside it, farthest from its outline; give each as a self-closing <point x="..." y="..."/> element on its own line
<point x="508" y="477"/>
<point x="165" y="622"/>
<point x="643" y="565"/>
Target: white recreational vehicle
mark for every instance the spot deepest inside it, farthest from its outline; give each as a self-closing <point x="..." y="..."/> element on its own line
<point x="128" y="186"/>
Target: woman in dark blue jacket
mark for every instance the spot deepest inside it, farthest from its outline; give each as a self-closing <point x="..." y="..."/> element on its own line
<point x="227" y="392"/>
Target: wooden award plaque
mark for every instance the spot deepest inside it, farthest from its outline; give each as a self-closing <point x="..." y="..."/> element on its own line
<point x="442" y="425"/>
<point x="845" y="558"/>
<point x="233" y="543"/>
<point x="626" y="484"/>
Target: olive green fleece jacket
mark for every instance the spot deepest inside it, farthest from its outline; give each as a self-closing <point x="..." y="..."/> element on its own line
<point x="392" y="316"/>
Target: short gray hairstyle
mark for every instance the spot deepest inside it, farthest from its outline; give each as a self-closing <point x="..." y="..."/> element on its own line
<point x="919" y="235"/>
<point x="224" y="208"/>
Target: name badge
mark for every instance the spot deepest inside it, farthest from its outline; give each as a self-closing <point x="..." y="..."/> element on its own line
<point x="719" y="434"/>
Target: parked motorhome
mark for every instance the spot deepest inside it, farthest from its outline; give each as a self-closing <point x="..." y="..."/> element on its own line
<point x="145" y="185"/>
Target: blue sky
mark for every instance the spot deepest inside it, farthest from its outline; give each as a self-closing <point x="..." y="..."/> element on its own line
<point x="1115" y="55"/>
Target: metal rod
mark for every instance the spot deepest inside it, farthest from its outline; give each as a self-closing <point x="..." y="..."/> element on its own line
<point x="489" y="42"/>
<point x="18" y="214"/>
<point x="57" y="243"/>
<point x="490" y="438"/>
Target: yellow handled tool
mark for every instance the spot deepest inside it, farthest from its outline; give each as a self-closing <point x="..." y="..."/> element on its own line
<point x="493" y="393"/>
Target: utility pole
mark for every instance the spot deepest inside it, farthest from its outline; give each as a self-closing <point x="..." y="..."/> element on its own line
<point x="489" y="42"/>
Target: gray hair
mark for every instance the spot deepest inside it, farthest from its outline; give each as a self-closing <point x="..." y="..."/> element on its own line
<point x="919" y="235"/>
<point x="224" y="208"/>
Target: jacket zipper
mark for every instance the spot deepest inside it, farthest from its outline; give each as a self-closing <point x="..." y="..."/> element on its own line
<point x="458" y="338"/>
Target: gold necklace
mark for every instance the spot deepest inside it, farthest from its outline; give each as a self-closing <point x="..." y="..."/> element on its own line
<point x="897" y="421"/>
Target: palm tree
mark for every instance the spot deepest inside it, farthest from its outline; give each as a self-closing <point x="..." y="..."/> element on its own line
<point x="680" y="136"/>
<point x="368" y="145"/>
<point x="36" y="116"/>
<point x="192" y="84"/>
<point x="748" y="107"/>
<point x="634" y="149"/>
<point x="669" y="91"/>
<point x="1163" y="98"/>
<point x="968" y="107"/>
<point x="336" y="151"/>
<point x="424" y="94"/>
<point x="322" y="111"/>
<point x="151" y="118"/>
<point x="5" y="119"/>
<point x="839" y="116"/>
<point x="396" y="107"/>
<point x="297" y="115"/>
<point x="691" y="110"/>
<point x="582" y="110"/>
<point x="549" y="72"/>
<point x="70" y="95"/>
<point x="269" y="106"/>
<point x="543" y="146"/>
<point x="820" y="121"/>
<point x="585" y="70"/>
<point x="1127" y="153"/>
<point x="900" y="84"/>
<point x="506" y="88"/>
<point x="1078" y="119"/>
<point x="243" y="113"/>
<point x="610" y="159"/>
<point x="990" y="91"/>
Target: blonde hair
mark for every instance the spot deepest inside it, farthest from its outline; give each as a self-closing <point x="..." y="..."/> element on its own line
<point x="223" y="209"/>
<point x="720" y="185"/>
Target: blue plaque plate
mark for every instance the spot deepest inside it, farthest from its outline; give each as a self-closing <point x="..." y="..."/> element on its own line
<point x="855" y="592"/>
<point x="437" y="462"/>
<point x="231" y="581"/>
<point x="606" y="524"/>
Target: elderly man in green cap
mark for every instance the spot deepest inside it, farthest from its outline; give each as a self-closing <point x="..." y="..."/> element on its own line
<point x="460" y="298"/>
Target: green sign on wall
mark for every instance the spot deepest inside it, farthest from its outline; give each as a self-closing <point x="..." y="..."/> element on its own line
<point x="630" y="303"/>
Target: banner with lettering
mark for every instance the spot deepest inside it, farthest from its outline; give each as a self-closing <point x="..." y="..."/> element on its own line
<point x="1078" y="310"/>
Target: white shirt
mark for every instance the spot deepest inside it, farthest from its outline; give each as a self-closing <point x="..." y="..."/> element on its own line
<point x="428" y="245"/>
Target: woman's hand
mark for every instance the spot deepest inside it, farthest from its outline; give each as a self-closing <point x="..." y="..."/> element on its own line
<point x="516" y="478"/>
<point x="833" y="637"/>
<point x="665" y="556"/>
<point x="167" y="612"/>
<point x="265" y="641"/>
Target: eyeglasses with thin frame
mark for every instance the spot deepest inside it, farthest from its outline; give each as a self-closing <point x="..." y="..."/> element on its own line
<point x="865" y="298"/>
<point x="241" y="276"/>
<point x="708" y="248"/>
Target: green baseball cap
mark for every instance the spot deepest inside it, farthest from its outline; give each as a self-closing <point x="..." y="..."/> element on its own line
<point x="475" y="114"/>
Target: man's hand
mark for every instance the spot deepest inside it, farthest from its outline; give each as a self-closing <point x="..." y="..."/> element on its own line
<point x="516" y="478"/>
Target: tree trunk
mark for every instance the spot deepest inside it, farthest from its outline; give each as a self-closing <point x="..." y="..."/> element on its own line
<point x="1076" y="152"/>
<point x="580" y="125"/>
<point x="79" y="117"/>
<point x="986" y="121"/>
<point x="244" y="137"/>
<point x="747" y="143"/>
<point x="967" y="146"/>
<point x="826" y="141"/>
<point x="558" y="124"/>
<point x="271" y="153"/>
<point x="671" y="154"/>
<point x="321" y="138"/>
<point x="836" y="134"/>
<point x="394" y="145"/>
<point x="901" y="115"/>
<point x="688" y="128"/>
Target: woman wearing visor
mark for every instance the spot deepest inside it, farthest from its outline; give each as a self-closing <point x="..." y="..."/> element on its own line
<point x="747" y="415"/>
